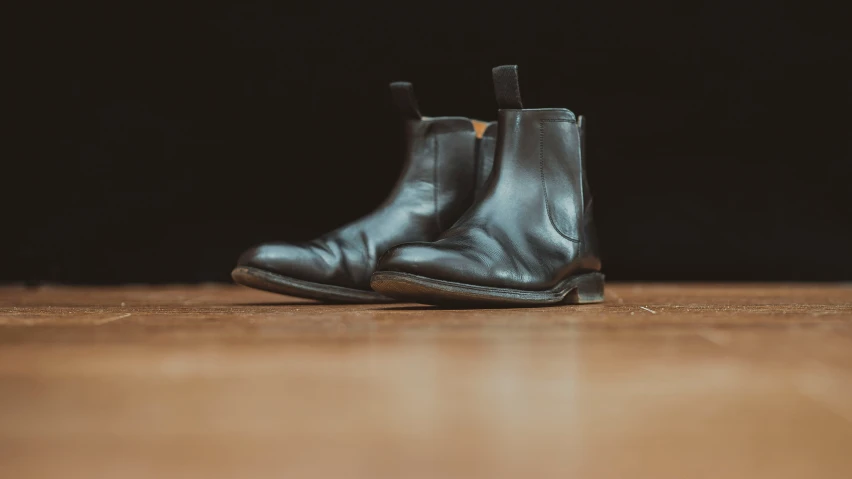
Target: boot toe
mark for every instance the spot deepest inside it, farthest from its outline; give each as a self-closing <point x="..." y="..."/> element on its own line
<point x="285" y="259"/>
<point x="424" y="259"/>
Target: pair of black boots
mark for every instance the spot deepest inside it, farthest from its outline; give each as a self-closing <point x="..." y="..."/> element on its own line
<point x="496" y="213"/>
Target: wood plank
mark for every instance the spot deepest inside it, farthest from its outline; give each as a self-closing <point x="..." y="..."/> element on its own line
<point x="662" y="380"/>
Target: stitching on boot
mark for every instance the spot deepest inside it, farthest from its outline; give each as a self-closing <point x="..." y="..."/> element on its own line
<point x="541" y="172"/>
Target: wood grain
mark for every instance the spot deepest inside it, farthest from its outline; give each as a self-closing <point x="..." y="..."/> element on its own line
<point x="660" y="381"/>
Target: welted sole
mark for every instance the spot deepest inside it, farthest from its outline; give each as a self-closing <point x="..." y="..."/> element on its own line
<point x="580" y="289"/>
<point x="275" y="283"/>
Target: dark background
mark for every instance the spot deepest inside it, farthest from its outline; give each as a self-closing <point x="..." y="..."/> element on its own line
<point x="154" y="144"/>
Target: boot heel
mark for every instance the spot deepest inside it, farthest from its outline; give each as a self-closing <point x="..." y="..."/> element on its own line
<point x="589" y="288"/>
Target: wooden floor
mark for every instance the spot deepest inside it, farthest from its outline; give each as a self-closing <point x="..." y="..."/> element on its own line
<point x="661" y="381"/>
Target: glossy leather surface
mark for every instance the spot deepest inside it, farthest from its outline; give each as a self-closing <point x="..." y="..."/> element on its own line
<point x="533" y="225"/>
<point x="435" y="187"/>
<point x="485" y="158"/>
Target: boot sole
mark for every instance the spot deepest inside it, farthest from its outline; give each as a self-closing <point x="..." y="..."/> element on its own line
<point x="579" y="289"/>
<point x="275" y="283"/>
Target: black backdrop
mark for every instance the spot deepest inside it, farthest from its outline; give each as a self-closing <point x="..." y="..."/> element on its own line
<point x="154" y="144"/>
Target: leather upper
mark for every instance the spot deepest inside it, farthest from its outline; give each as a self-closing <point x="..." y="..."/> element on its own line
<point x="485" y="159"/>
<point x="532" y="226"/>
<point x="436" y="186"/>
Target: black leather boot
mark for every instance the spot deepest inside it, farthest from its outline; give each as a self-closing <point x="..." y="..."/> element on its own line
<point x="441" y="167"/>
<point x="530" y="239"/>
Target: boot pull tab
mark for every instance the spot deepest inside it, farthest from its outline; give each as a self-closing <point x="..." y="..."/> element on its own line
<point x="506" y="87"/>
<point x="403" y="97"/>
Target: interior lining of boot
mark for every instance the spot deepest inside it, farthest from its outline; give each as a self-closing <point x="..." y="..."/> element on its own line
<point x="479" y="127"/>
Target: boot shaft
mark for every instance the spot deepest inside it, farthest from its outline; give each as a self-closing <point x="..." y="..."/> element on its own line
<point x="442" y="161"/>
<point x="538" y="151"/>
<point x="544" y="150"/>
